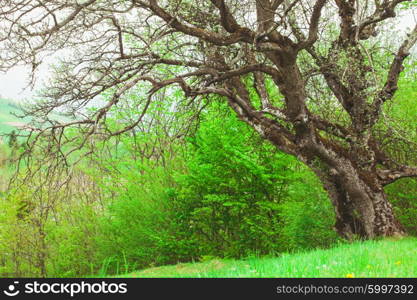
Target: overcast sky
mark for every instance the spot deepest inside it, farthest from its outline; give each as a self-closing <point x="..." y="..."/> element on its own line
<point x="13" y="84"/>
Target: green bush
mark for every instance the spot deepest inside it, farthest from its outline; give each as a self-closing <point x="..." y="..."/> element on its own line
<point x="402" y="194"/>
<point x="239" y="191"/>
<point x="307" y="217"/>
<point x="142" y="226"/>
<point x="48" y="232"/>
<point x="72" y="243"/>
<point x="231" y="191"/>
<point x="231" y="195"/>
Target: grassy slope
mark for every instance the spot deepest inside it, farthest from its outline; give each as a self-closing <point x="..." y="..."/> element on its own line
<point x="9" y="121"/>
<point x="386" y="258"/>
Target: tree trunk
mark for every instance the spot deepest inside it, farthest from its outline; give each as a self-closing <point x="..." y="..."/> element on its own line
<point x="361" y="206"/>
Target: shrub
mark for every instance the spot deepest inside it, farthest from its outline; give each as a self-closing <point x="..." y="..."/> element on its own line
<point x="239" y="191"/>
<point x="402" y="194"/>
<point x="142" y="226"/>
<point x="307" y="217"/>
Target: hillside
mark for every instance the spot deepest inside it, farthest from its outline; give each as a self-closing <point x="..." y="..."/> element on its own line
<point x="385" y="258"/>
<point x="8" y="118"/>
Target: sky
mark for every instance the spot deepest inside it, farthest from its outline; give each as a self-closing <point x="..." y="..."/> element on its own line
<point x="13" y="84"/>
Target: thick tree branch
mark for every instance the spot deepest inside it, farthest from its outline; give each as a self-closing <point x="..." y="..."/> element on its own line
<point x="314" y="25"/>
<point x="391" y="84"/>
<point x="390" y="176"/>
<point x="382" y="12"/>
<point x="227" y="19"/>
<point x="244" y="34"/>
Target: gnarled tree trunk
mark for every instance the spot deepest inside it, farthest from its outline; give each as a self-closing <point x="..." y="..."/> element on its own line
<point x="361" y="206"/>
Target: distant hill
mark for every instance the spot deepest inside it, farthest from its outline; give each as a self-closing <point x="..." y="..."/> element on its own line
<point x="8" y="119"/>
<point x="9" y="110"/>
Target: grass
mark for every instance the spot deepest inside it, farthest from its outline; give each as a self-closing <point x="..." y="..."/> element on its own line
<point x="384" y="258"/>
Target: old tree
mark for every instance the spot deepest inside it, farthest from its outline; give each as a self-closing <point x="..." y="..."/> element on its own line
<point x="309" y="76"/>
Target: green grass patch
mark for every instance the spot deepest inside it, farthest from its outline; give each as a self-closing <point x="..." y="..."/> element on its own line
<point x="385" y="258"/>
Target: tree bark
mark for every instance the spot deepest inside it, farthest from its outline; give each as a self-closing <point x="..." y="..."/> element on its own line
<point x="361" y="206"/>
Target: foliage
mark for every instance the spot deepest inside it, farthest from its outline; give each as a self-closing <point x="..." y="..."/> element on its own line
<point x="144" y="223"/>
<point x="400" y="119"/>
<point x="47" y="231"/>
<point x="221" y="195"/>
<point x="308" y="217"/>
<point x="404" y="199"/>
<point x="221" y="192"/>
<point x="164" y="194"/>
<point x="234" y="187"/>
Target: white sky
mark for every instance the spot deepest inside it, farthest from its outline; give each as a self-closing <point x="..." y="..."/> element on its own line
<point x="13" y="84"/>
